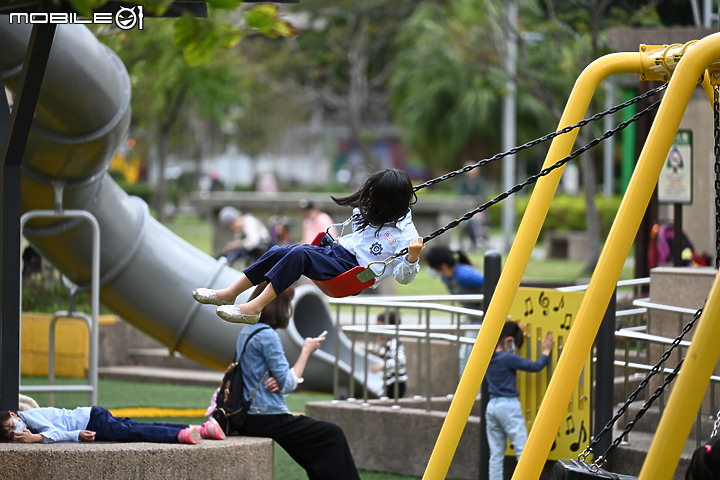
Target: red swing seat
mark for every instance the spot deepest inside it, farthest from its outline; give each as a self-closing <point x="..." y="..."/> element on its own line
<point x="344" y="285"/>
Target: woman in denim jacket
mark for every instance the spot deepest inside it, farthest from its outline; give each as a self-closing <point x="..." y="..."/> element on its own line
<point x="319" y="447"/>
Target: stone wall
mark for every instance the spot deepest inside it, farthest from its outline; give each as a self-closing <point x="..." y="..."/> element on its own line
<point x="399" y="440"/>
<point x="685" y="287"/>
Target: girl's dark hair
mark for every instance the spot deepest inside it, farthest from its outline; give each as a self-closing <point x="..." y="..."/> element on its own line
<point x="389" y="317"/>
<point x="438" y="255"/>
<point x="6" y="435"/>
<point x="277" y="313"/>
<point x="512" y="329"/>
<point x="385" y="198"/>
<point x="705" y="462"/>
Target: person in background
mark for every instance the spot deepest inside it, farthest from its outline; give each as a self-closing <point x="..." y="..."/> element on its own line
<point x="314" y="221"/>
<point x="267" y="182"/>
<point x="87" y="424"/>
<point x="251" y="237"/>
<point x="504" y="416"/>
<point x="471" y="185"/>
<point x="460" y="278"/>
<point x="705" y="462"/>
<point x="280" y="228"/>
<point x="392" y="352"/>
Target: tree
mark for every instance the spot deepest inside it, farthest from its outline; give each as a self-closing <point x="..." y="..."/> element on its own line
<point x="583" y="22"/>
<point x="168" y="95"/>
<point x="449" y="80"/>
<point x="181" y="93"/>
<point x="341" y="61"/>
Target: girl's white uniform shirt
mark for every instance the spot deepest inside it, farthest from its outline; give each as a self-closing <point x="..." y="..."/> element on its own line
<point x="370" y="245"/>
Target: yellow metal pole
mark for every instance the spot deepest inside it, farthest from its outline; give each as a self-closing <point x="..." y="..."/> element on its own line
<point x="526" y="238"/>
<point x="612" y="258"/>
<point x="687" y="394"/>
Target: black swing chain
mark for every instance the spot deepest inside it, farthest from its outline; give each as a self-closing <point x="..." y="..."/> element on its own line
<point x="602" y="459"/>
<point x="716" y="151"/>
<point x="530" y="180"/>
<point x="545" y="138"/>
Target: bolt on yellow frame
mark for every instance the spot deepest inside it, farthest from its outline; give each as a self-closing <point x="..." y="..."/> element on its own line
<point x="650" y="63"/>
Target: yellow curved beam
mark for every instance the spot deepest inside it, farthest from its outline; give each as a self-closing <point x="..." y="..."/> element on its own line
<point x="616" y="250"/>
<point x="527" y="235"/>
<point x="687" y="395"/>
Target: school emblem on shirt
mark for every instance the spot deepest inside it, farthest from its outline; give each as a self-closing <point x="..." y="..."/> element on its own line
<point x="390" y="238"/>
<point x="376" y="249"/>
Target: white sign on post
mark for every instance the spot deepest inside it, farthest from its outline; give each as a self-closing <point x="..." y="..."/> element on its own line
<point x="675" y="182"/>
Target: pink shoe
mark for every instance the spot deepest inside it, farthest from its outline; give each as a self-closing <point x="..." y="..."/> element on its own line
<point x="212" y="430"/>
<point x="189" y="435"/>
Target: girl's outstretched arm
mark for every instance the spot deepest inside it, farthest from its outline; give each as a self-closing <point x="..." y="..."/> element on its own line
<point x="414" y="248"/>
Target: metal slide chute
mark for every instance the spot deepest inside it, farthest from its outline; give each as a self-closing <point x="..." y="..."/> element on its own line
<point x="147" y="272"/>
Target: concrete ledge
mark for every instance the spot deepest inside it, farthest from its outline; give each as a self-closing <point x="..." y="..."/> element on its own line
<point x="235" y="458"/>
<point x="399" y="440"/>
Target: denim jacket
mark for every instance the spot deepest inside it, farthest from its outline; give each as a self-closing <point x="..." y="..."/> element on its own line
<point x="265" y="352"/>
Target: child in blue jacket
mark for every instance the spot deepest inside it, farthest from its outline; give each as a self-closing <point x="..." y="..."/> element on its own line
<point x="504" y="417"/>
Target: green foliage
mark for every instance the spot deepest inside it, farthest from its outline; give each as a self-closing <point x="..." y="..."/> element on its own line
<point x="86" y="7"/>
<point x="140" y="189"/>
<point x="567" y="212"/>
<point x="198" y="43"/>
<point x="266" y="19"/>
<point x="44" y="292"/>
<point x="448" y="84"/>
<point x="200" y="40"/>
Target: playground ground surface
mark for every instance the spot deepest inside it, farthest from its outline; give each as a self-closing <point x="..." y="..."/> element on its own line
<point x="186" y="403"/>
<point x="165" y="402"/>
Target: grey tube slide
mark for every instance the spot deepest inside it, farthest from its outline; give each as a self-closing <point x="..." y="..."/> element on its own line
<point x="147" y="272"/>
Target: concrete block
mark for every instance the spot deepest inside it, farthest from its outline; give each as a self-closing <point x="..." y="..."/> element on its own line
<point x="399" y="440"/>
<point x="236" y="458"/>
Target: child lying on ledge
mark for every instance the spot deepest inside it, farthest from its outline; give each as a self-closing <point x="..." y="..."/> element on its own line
<point x="87" y="424"/>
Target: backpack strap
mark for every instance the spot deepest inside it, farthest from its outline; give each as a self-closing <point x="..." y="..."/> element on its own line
<point x="240" y="358"/>
<point x="237" y="357"/>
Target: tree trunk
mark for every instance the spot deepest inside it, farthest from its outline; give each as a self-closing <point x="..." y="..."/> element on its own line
<point x="358" y="93"/>
<point x="592" y="219"/>
<point x="163" y="137"/>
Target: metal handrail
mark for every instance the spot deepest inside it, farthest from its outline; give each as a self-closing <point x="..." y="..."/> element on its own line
<point x="633" y="282"/>
<point x="410" y="334"/>
<point x="644" y="302"/>
<point x="92" y="375"/>
<point x="452" y="332"/>
<point x="419" y="305"/>
<point x="423" y="304"/>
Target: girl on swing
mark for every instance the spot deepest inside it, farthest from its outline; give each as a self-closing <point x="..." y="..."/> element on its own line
<point x="382" y="225"/>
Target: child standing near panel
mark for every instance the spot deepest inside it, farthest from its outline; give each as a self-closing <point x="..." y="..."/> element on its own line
<point x="394" y="366"/>
<point x="504" y="417"/>
<point x="382" y="226"/>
